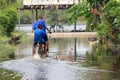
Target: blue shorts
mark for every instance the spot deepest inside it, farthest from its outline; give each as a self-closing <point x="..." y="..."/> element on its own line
<point x="45" y="38"/>
<point x="35" y="43"/>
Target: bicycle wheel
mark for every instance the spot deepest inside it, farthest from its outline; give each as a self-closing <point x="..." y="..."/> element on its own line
<point x="41" y="50"/>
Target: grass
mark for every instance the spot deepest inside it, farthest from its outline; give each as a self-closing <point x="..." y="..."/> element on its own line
<point x="9" y="75"/>
<point x="7" y="52"/>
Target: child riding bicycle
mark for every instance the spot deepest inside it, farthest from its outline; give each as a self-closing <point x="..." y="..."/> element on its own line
<point x="44" y="28"/>
<point x="39" y="37"/>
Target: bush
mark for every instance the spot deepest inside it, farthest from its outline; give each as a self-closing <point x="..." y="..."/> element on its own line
<point x="12" y="21"/>
<point x="8" y="21"/>
<point x="1" y="30"/>
<point x="4" y="22"/>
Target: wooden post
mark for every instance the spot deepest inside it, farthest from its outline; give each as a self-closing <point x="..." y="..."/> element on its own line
<point x="75" y="53"/>
<point x="32" y="16"/>
<point x="36" y="13"/>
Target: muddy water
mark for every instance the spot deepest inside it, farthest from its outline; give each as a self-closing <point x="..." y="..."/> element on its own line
<point x="60" y="64"/>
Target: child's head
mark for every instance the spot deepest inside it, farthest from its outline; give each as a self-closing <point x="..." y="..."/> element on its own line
<point x="40" y="17"/>
<point x="40" y="26"/>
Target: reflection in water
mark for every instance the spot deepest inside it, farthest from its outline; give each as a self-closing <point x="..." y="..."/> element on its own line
<point x="103" y="58"/>
<point x="64" y="48"/>
<point x="24" y="50"/>
<point x="59" y="48"/>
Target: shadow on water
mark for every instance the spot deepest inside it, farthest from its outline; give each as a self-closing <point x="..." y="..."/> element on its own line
<point x="60" y="64"/>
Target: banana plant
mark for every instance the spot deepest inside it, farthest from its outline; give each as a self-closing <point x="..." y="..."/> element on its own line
<point x="90" y="9"/>
<point x="112" y="17"/>
<point x="99" y="13"/>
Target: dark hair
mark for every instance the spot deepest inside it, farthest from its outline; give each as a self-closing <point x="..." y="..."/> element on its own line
<point x="40" y="17"/>
<point x="40" y="26"/>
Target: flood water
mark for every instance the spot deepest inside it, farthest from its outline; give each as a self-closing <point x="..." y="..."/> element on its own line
<point x="60" y="64"/>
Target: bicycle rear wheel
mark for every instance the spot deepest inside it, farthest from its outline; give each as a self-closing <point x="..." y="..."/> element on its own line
<point x="41" y="50"/>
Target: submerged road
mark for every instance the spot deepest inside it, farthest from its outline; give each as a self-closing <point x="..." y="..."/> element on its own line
<point x="56" y="66"/>
<point x="51" y="69"/>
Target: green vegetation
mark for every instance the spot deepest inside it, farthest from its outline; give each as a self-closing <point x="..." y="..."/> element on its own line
<point x="8" y="75"/>
<point x="8" y="16"/>
<point x="7" y="52"/>
<point x="59" y="16"/>
<point x="50" y="16"/>
<point x="101" y="16"/>
<point x="101" y="57"/>
<point x="8" y="21"/>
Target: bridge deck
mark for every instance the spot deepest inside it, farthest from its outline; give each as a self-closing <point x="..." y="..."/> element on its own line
<point x="70" y="35"/>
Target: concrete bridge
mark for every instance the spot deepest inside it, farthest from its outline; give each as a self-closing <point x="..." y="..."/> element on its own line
<point x="70" y="34"/>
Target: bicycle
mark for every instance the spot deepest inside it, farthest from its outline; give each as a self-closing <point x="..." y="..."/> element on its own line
<point x="39" y="50"/>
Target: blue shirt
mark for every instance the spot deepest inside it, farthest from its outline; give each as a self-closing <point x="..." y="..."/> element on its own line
<point x="35" y="25"/>
<point x="38" y="36"/>
<point x="42" y="22"/>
